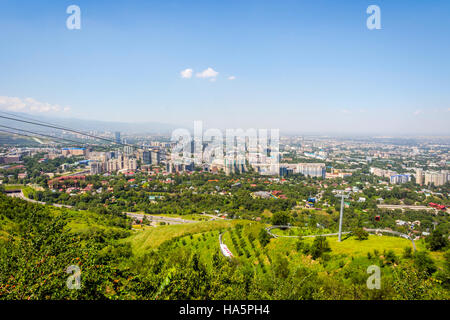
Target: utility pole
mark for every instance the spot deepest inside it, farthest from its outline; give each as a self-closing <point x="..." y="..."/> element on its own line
<point x="342" y="195"/>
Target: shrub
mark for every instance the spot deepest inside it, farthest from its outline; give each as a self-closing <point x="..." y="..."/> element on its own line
<point x="436" y="241"/>
<point x="407" y="253"/>
<point x="424" y="263"/>
<point x="319" y="247"/>
<point x="360" y="234"/>
<point x="390" y="257"/>
<point x="263" y="237"/>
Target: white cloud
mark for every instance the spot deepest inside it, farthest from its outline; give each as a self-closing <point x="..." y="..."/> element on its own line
<point x="29" y="105"/>
<point x="417" y="112"/>
<point x="207" y="73"/>
<point x="186" y="73"/>
<point x="231" y="77"/>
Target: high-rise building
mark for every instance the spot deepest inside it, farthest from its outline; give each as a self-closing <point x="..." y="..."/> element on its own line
<point x="155" y="157"/>
<point x="312" y="169"/>
<point x="96" y="167"/>
<point x="145" y="156"/>
<point x="285" y="171"/>
<point x="400" y="178"/>
<point x="419" y="176"/>
<point x="130" y="164"/>
<point x="73" y="151"/>
<point x="436" y="178"/>
<point x="117" y="137"/>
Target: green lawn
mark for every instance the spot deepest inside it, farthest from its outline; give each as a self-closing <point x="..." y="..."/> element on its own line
<point x="354" y="247"/>
<point x="347" y="249"/>
<point x="86" y="221"/>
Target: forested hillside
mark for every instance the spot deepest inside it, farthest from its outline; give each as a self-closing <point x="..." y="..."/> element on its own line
<point x="39" y="243"/>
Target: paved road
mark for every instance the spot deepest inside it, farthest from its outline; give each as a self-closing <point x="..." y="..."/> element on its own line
<point x="403" y="207"/>
<point x="213" y="217"/>
<point x="168" y="220"/>
<point x="19" y="194"/>
<point x="138" y="216"/>
<point x="309" y="236"/>
<point x="376" y="231"/>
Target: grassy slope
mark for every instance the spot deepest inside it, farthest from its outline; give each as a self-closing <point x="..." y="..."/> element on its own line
<point x="6" y="226"/>
<point x="151" y="238"/>
<point x="351" y="246"/>
<point x="77" y="221"/>
<point x="205" y="244"/>
<point x="85" y="221"/>
<point x="347" y="248"/>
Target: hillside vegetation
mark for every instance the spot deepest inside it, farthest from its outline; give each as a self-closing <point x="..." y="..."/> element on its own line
<point x="39" y="243"/>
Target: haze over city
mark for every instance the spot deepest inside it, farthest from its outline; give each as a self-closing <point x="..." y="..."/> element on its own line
<point x="215" y="158"/>
<point x="300" y="66"/>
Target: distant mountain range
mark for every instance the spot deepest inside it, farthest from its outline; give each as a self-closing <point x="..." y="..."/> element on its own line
<point x="85" y="125"/>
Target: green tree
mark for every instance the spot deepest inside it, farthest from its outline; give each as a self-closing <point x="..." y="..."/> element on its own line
<point x="360" y="234"/>
<point x="281" y="218"/>
<point x="319" y="247"/>
<point x="424" y="263"/>
<point x="263" y="237"/>
<point x="436" y="241"/>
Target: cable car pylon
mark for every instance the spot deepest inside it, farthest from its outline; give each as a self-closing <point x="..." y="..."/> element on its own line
<point x="343" y="196"/>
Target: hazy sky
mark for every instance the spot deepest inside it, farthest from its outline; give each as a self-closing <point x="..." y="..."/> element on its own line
<point x="307" y="66"/>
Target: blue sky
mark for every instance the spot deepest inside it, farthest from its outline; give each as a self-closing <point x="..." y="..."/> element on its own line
<point x="305" y="66"/>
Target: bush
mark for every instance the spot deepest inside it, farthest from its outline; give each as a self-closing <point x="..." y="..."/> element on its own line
<point x="281" y="218"/>
<point x="436" y="241"/>
<point x="407" y="253"/>
<point x="360" y="234"/>
<point x="264" y="237"/>
<point x="281" y="267"/>
<point x="424" y="263"/>
<point x="319" y="247"/>
<point x="390" y="257"/>
<point x="300" y="244"/>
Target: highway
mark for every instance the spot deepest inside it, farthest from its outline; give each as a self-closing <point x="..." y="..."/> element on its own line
<point x="151" y="218"/>
<point x="308" y="236"/>
<point x="403" y="207"/>
<point x="137" y="216"/>
<point x="19" y="194"/>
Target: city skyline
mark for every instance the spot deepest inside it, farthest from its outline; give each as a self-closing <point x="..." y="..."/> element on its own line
<point x="300" y="67"/>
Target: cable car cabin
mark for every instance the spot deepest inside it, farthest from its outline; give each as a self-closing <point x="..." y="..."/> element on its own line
<point x="377" y="218"/>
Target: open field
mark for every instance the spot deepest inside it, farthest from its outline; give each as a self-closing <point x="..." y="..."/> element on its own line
<point x="85" y="221"/>
<point x="300" y="231"/>
<point x="351" y="246"/>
